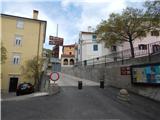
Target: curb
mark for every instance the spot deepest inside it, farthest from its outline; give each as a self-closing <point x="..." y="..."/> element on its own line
<point x="17" y="98"/>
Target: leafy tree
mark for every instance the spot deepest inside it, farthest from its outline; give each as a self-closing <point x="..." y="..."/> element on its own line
<point x="153" y="12"/>
<point x="49" y="52"/>
<point x="125" y="27"/>
<point x="3" y="54"/>
<point x="33" y="70"/>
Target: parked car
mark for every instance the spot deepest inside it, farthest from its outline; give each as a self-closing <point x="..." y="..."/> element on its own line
<point x="24" y="88"/>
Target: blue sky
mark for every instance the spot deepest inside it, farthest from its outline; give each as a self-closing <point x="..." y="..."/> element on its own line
<point x="72" y="16"/>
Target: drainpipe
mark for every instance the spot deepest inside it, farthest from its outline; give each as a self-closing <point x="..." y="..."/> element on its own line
<point x="38" y="51"/>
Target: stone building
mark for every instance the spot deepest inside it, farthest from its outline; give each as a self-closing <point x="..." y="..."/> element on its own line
<point x="68" y="55"/>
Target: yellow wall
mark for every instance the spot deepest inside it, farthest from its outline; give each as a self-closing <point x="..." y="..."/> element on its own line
<point x="28" y="49"/>
<point x="67" y="50"/>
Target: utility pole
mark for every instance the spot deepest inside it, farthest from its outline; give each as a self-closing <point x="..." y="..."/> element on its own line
<point x="57" y="31"/>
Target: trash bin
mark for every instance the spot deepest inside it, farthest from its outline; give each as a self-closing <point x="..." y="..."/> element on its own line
<point x="79" y="84"/>
<point x="101" y="84"/>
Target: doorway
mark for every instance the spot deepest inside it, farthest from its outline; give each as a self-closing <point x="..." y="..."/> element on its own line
<point x="13" y="84"/>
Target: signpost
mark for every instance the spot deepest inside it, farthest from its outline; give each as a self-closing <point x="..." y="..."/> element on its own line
<point x="57" y="41"/>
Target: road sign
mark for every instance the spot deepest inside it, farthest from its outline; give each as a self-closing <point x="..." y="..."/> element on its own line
<point x="55" y="41"/>
<point x="54" y="76"/>
<point x="55" y="51"/>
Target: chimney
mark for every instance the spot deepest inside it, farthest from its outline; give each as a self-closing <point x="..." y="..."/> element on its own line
<point x="35" y="14"/>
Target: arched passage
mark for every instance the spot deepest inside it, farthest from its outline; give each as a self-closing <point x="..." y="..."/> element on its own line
<point x="65" y="62"/>
<point x="71" y="62"/>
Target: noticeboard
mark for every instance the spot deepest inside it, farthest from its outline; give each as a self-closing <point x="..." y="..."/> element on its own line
<point x="146" y="74"/>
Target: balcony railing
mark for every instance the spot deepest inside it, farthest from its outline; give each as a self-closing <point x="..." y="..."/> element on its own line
<point x="151" y="49"/>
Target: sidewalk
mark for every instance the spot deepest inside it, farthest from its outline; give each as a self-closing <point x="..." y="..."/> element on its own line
<point x="46" y="88"/>
<point x="12" y="96"/>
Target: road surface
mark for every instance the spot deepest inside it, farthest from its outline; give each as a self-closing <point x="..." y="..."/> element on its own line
<point x="89" y="103"/>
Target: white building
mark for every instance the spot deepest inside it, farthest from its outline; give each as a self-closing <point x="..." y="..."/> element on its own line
<point x="89" y="47"/>
<point x="151" y="40"/>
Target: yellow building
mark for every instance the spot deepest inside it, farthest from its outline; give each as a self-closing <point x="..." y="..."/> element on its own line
<point x="23" y="38"/>
<point x="68" y="55"/>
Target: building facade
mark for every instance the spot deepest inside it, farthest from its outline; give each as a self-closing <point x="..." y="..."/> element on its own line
<point x="89" y="47"/>
<point x="68" y="55"/>
<point x="23" y="38"/>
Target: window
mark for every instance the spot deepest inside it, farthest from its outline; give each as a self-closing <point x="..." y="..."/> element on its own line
<point x="95" y="47"/>
<point x="114" y="48"/>
<point x="155" y="33"/>
<point x="94" y="37"/>
<point x="156" y="48"/>
<point x="142" y="47"/>
<point x="20" y="23"/>
<point x="18" y="40"/>
<point x="70" y="53"/>
<point x="16" y="59"/>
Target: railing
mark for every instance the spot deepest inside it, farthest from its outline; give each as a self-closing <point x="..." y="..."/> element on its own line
<point x="151" y="49"/>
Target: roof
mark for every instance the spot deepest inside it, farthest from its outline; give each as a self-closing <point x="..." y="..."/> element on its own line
<point x="64" y="55"/>
<point x="22" y="17"/>
<point x="72" y="45"/>
<point x="83" y="32"/>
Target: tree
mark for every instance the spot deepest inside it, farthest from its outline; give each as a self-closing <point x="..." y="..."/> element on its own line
<point x="49" y="52"/>
<point x="33" y="70"/>
<point x="3" y="54"/>
<point x="125" y="27"/>
<point x="153" y="12"/>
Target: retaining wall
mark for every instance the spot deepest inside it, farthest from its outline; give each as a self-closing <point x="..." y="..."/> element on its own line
<point x="110" y="72"/>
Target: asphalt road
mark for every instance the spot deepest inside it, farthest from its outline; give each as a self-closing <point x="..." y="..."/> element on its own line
<point x="90" y="103"/>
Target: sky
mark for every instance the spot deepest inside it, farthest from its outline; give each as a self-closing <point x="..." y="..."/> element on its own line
<point x="72" y="16"/>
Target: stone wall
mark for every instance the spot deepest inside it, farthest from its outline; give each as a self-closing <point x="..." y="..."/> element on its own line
<point x="110" y="72"/>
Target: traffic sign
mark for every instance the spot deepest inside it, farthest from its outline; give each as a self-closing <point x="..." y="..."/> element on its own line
<point x="54" y="76"/>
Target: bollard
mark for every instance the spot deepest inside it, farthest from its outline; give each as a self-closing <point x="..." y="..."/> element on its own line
<point x="101" y="84"/>
<point x="79" y="84"/>
<point x="123" y="95"/>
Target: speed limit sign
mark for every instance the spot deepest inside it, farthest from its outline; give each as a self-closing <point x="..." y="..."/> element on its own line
<point x="54" y="76"/>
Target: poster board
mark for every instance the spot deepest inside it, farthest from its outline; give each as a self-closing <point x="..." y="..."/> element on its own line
<point x="148" y="74"/>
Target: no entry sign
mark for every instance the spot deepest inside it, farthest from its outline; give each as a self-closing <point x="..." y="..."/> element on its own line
<point x="54" y="76"/>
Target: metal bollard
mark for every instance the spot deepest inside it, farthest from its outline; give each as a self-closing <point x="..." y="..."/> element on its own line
<point x="79" y="84"/>
<point x="101" y="84"/>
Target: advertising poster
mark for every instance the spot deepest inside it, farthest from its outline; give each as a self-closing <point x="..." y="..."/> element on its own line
<point x="146" y="74"/>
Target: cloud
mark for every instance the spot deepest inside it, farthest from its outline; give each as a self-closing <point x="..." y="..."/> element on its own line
<point x="72" y="16"/>
<point x="94" y="11"/>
